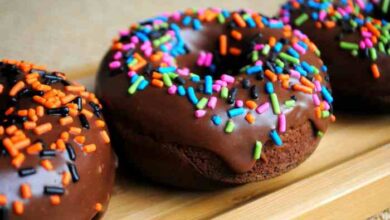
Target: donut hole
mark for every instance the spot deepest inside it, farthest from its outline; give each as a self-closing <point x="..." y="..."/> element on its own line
<point x="207" y="40"/>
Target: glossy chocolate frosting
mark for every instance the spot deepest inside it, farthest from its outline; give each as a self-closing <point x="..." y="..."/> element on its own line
<point x="169" y="119"/>
<point x="86" y="196"/>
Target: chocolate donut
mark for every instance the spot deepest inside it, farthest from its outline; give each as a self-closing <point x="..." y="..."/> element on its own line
<point x="56" y="161"/>
<point x="209" y="98"/>
<point x="354" y="45"/>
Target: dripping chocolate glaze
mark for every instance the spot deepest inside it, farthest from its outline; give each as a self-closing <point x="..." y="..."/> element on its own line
<point x="170" y="119"/>
<point x="96" y="168"/>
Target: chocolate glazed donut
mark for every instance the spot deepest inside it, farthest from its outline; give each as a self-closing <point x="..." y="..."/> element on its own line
<point x="210" y="98"/>
<point x="56" y="160"/>
<point x="354" y="46"/>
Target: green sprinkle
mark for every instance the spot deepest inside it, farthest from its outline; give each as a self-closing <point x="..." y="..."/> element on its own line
<point x="266" y="50"/>
<point x="257" y="150"/>
<point x="290" y="103"/>
<point x="224" y="92"/>
<point x="202" y="103"/>
<point x="373" y="54"/>
<point x="354" y="53"/>
<point x="221" y="18"/>
<point x="348" y="45"/>
<point x="165" y="39"/>
<point x="275" y="103"/>
<point x="289" y="58"/>
<point x="229" y="126"/>
<point x="385" y="6"/>
<point x="279" y="63"/>
<point x="381" y="47"/>
<point x="172" y="75"/>
<point x="255" y="56"/>
<point x="167" y="80"/>
<point x="315" y="70"/>
<point x="320" y="133"/>
<point x="301" y="19"/>
<point x="156" y="43"/>
<point x="325" y="114"/>
<point x="133" y="62"/>
<point x="133" y="88"/>
<point x="243" y="69"/>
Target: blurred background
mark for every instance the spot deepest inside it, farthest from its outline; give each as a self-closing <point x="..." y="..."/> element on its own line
<point x="72" y="36"/>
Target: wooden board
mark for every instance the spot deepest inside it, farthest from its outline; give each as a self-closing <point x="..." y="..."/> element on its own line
<point x="347" y="177"/>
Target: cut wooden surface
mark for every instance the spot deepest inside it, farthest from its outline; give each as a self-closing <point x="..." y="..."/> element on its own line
<point x="330" y="194"/>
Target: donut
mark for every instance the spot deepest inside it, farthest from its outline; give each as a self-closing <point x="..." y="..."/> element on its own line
<point x="56" y="160"/>
<point x="208" y="98"/>
<point x="355" y="47"/>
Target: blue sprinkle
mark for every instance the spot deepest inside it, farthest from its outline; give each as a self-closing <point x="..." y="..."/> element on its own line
<point x="143" y="85"/>
<point x="314" y="16"/>
<point x="293" y="52"/>
<point x="142" y="36"/>
<point x="167" y="69"/>
<point x="278" y="69"/>
<point x="269" y="87"/>
<point x="195" y="78"/>
<point x="197" y="24"/>
<point x="175" y="27"/>
<point x="192" y="96"/>
<point x="276" y="138"/>
<point x="307" y="67"/>
<point x="226" y="13"/>
<point x="278" y="47"/>
<point x="250" y="22"/>
<point x="326" y="94"/>
<point x="324" y="68"/>
<point x="208" y="87"/>
<point x="187" y="20"/>
<point x="303" y="44"/>
<point x="276" y="25"/>
<point x="235" y="112"/>
<point x="129" y="59"/>
<point x="181" y="90"/>
<point x="254" y="69"/>
<point x="164" y="48"/>
<point x="217" y="120"/>
<point x="301" y="70"/>
<point x="134" y="78"/>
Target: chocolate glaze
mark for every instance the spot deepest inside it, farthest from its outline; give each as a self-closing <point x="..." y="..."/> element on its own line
<point x="96" y="170"/>
<point x="169" y="119"/>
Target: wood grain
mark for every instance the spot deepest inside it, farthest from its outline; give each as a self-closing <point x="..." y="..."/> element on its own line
<point x="321" y="193"/>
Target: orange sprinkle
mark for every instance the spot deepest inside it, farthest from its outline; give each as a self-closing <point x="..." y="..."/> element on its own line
<point x="373" y="29"/>
<point x="40" y="111"/>
<point x="66" y="120"/>
<point x="1" y="88"/>
<point x="64" y="136"/>
<point x="239" y="20"/>
<point x="100" y="123"/>
<point x="317" y="112"/>
<point x="234" y="51"/>
<point x="258" y="21"/>
<point x="67" y="99"/>
<point x="79" y="139"/>
<point x="156" y="57"/>
<point x="41" y="129"/>
<point x="375" y="71"/>
<point x="35" y="148"/>
<point x="251" y="104"/>
<point x="60" y="144"/>
<point x="22" y="144"/>
<point x="47" y="164"/>
<point x="236" y="34"/>
<point x="66" y="178"/>
<point x="28" y="125"/>
<point x="307" y="82"/>
<point x="270" y="75"/>
<point x="11" y="129"/>
<point x="105" y="137"/>
<point x="333" y="118"/>
<point x="9" y="111"/>
<point x="16" y="88"/>
<point x="87" y="113"/>
<point x="156" y="75"/>
<point x="74" y="88"/>
<point x="18" y="207"/>
<point x="330" y="24"/>
<point x="272" y="41"/>
<point x="9" y="146"/>
<point x="25" y="191"/>
<point x="98" y="207"/>
<point x="18" y="160"/>
<point x="223" y="45"/>
<point x="73" y="112"/>
<point x="1" y="130"/>
<point x="75" y="130"/>
<point x="89" y="148"/>
<point x="39" y="99"/>
<point x="250" y="118"/>
<point x="305" y="89"/>
<point x="157" y="83"/>
<point x="3" y="200"/>
<point x="55" y="200"/>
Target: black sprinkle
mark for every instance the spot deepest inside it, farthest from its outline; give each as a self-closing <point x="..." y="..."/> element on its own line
<point x="63" y="111"/>
<point x="54" y="190"/>
<point x="232" y="96"/>
<point x="84" y="121"/>
<point x="254" y="92"/>
<point x="149" y="69"/>
<point x="27" y="172"/>
<point x="129" y="53"/>
<point x="79" y="103"/>
<point x="260" y="76"/>
<point x="96" y="109"/>
<point x="71" y="152"/>
<point x="269" y="66"/>
<point x="294" y="98"/>
<point x="179" y="80"/>
<point x="73" y="172"/>
<point x="47" y="153"/>
<point x="3" y="213"/>
<point x="200" y="88"/>
<point x="246" y="83"/>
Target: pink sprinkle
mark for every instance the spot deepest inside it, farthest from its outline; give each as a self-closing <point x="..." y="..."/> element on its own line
<point x="341" y="11"/>
<point x="115" y="65"/>
<point x="200" y="113"/>
<point x="299" y="34"/>
<point x="124" y="32"/>
<point x="259" y="46"/>
<point x="295" y="74"/>
<point x="326" y="105"/>
<point x="282" y="123"/>
<point x="134" y="39"/>
<point x="361" y="3"/>
<point x="366" y="34"/>
<point x="209" y="59"/>
<point x="148" y="52"/>
<point x="118" y="55"/>
<point x="263" y="108"/>
<point x="217" y="88"/>
<point x="176" y="16"/>
<point x="317" y="85"/>
<point x="127" y="47"/>
<point x="368" y="43"/>
<point x="286" y="19"/>
<point x="316" y="100"/>
<point x="172" y="90"/>
<point x="146" y="45"/>
<point x="212" y="102"/>
<point x="183" y="72"/>
<point x="300" y="49"/>
<point x="259" y="63"/>
<point x="131" y="73"/>
<point x="220" y="82"/>
<point x="322" y="15"/>
<point x="362" y="45"/>
<point x="227" y="78"/>
<point x="239" y="103"/>
<point x="201" y="58"/>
